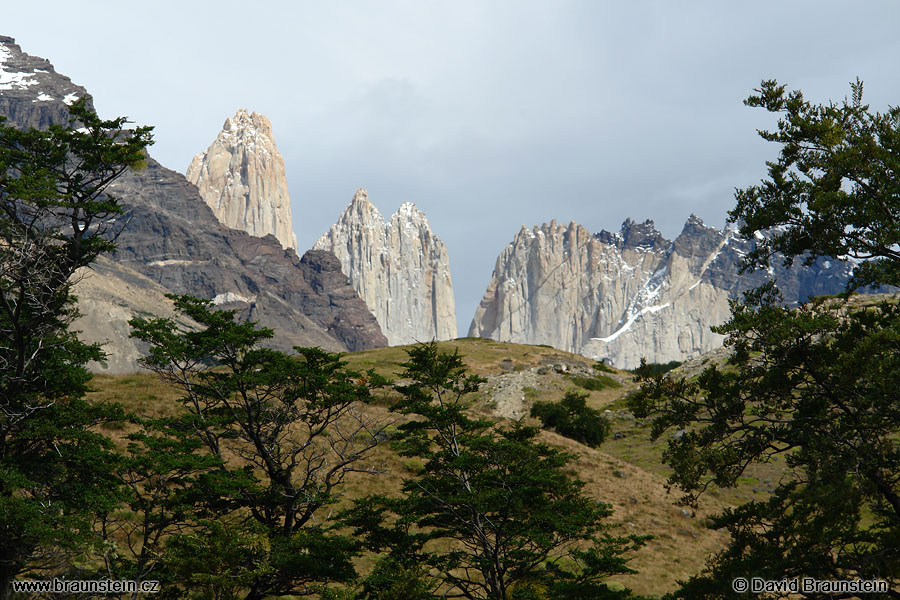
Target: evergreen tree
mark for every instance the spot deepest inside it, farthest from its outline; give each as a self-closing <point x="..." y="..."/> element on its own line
<point x="814" y="386"/>
<point x="572" y="418"/>
<point x="509" y="517"/>
<point x="56" y="216"/>
<point x="283" y="432"/>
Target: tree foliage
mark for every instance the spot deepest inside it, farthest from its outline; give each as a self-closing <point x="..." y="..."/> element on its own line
<point x="814" y="387"/>
<point x="572" y="418"/>
<point x="56" y="216"/>
<point x="502" y="504"/>
<point x="834" y="190"/>
<point x="284" y="432"/>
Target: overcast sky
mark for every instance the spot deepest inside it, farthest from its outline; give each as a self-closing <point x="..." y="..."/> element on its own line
<point x="486" y="114"/>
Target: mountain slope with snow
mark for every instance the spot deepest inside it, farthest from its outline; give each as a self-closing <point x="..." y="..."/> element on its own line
<point x="623" y="296"/>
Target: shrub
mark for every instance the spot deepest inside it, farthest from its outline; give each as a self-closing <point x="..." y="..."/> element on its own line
<point x="572" y="418"/>
<point x="650" y="369"/>
<point x="602" y="366"/>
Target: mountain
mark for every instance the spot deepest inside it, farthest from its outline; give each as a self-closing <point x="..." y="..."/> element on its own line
<point x="241" y="176"/>
<point x="174" y="243"/>
<point x="32" y="94"/>
<point x="399" y="267"/>
<point x="109" y="295"/>
<point x="631" y="294"/>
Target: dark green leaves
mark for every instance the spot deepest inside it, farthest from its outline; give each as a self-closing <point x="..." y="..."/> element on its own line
<point x="813" y="387"/>
<point x="572" y="418"/>
<point x="57" y="473"/>
<point x="834" y="189"/>
<point x="279" y="434"/>
<point x="493" y="510"/>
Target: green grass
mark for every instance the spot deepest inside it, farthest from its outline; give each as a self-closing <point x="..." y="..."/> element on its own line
<point x="531" y="393"/>
<point x="596" y="383"/>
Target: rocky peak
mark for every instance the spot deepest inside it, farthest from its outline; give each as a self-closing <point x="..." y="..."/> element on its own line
<point x="627" y="295"/>
<point x="360" y="209"/>
<point x="409" y="213"/>
<point x="241" y="176"/>
<point x="399" y="268"/>
<point x="641" y="235"/>
<point x="32" y="93"/>
<point x="696" y="239"/>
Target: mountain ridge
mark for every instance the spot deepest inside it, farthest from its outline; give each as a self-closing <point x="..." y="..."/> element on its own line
<point x="620" y="296"/>
<point x="174" y="240"/>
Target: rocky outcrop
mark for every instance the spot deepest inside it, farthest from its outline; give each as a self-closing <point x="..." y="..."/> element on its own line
<point x="174" y="244"/>
<point x="631" y="294"/>
<point x="109" y="295"/>
<point x="32" y="94"/>
<point x="399" y="267"/>
<point x="241" y="177"/>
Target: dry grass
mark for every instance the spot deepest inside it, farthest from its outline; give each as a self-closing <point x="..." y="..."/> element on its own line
<point x="625" y="472"/>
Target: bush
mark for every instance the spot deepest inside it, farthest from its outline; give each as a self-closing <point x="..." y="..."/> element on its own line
<point x="572" y="418"/>
<point x="650" y="369"/>
<point x="414" y="465"/>
<point x="602" y="366"/>
<point x="392" y="580"/>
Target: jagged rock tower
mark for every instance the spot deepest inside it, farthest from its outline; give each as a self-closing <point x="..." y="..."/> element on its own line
<point x="241" y="176"/>
<point x="630" y="294"/>
<point x="174" y="244"/>
<point x="400" y="269"/>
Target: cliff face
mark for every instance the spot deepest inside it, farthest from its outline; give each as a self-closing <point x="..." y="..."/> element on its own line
<point x="632" y="294"/>
<point x="174" y="243"/>
<point x="241" y="177"/>
<point x="32" y="94"/>
<point x="399" y="267"/>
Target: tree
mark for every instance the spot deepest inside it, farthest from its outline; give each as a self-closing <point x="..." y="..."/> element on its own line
<point x="166" y="484"/>
<point x="814" y="386"/>
<point x="284" y="431"/>
<point x="572" y="418"/>
<point x="509" y="517"/>
<point x="56" y="216"/>
<point x="834" y="190"/>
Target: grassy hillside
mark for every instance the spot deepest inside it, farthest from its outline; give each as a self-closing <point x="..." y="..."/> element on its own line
<point x="626" y="471"/>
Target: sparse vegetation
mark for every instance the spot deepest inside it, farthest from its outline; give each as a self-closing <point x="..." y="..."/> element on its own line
<point x="531" y="393"/>
<point x="603" y="367"/>
<point x="595" y="383"/>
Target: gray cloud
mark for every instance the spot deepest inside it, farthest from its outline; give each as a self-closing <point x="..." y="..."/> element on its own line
<point x="487" y="115"/>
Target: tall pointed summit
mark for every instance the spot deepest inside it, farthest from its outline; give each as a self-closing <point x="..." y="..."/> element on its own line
<point x="241" y="177"/>
<point x="399" y="268"/>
